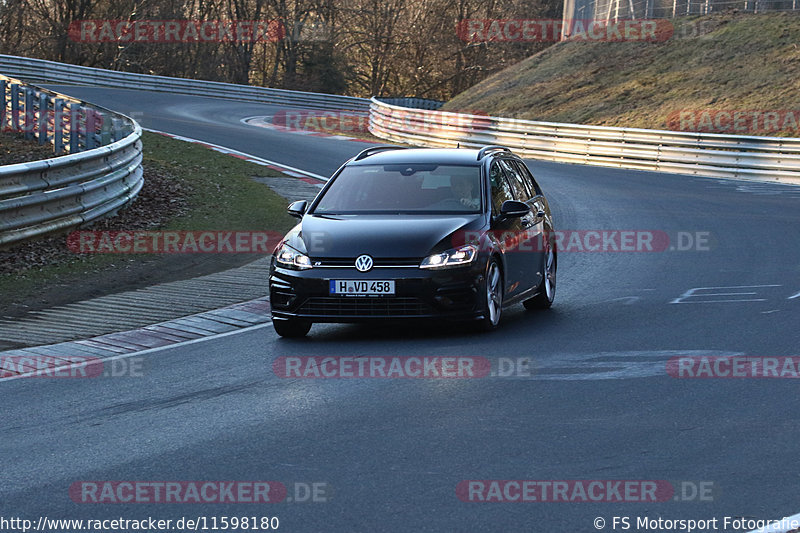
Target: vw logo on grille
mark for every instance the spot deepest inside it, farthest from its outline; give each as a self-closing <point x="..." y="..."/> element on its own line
<point x="363" y="263"/>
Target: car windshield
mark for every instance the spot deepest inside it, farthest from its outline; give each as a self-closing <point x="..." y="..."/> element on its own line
<point x="403" y="188"/>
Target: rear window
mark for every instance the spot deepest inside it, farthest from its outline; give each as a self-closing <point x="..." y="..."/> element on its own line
<point x="528" y="177"/>
<point x="406" y="188"/>
<point x="521" y="192"/>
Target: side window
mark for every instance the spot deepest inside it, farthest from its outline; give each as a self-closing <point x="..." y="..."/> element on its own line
<point x="517" y="184"/>
<point x="501" y="190"/>
<point x="528" y="178"/>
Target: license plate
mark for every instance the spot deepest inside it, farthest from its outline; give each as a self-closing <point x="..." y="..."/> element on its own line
<point x="361" y="287"/>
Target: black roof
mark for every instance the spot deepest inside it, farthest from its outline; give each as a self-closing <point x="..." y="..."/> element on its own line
<point x="440" y="156"/>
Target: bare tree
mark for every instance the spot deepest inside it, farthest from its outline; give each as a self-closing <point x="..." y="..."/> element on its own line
<point x="358" y="47"/>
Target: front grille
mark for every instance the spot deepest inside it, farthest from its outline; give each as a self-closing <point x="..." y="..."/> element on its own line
<point x="350" y="262"/>
<point x="367" y="306"/>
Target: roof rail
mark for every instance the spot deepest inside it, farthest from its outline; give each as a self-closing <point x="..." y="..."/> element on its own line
<point x="375" y="149"/>
<point x="491" y="148"/>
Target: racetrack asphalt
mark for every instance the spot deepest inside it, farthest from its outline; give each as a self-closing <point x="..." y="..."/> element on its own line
<point x="597" y="403"/>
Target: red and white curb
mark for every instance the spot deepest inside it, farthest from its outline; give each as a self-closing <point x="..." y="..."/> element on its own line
<point x="303" y="175"/>
<point x="46" y="360"/>
<point x="265" y="122"/>
<point x="49" y="359"/>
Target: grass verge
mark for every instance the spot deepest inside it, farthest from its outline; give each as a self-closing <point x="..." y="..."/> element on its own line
<point x="187" y="187"/>
<point x="729" y="61"/>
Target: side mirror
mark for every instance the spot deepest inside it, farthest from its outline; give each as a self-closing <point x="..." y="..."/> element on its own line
<point x="297" y="209"/>
<point x="513" y="209"/>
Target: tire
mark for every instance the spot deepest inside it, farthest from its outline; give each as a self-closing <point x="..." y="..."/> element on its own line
<point x="291" y="328"/>
<point x="547" y="288"/>
<point x="493" y="296"/>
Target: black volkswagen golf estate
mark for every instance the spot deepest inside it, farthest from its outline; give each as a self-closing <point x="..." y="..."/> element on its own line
<point x="416" y="234"/>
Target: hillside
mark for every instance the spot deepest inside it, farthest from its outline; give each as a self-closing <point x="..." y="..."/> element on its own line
<point x="711" y="65"/>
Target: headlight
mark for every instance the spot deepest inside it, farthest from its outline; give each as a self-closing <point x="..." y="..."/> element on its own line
<point x="288" y="257"/>
<point x="460" y="256"/>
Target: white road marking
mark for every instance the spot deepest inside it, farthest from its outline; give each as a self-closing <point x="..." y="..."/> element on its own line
<point x="627" y="300"/>
<point x="757" y="187"/>
<point x="694" y="292"/>
<point x="794" y="296"/>
<point x="611" y="365"/>
<point x="143" y="352"/>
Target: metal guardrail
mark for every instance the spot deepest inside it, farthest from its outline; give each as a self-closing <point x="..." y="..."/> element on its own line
<point x="702" y="154"/>
<point x="416" y="103"/>
<point x="39" y="70"/>
<point x="69" y="124"/>
<point x="101" y="174"/>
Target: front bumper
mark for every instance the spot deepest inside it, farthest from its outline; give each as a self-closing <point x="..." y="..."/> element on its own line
<point x="452" y="294"/>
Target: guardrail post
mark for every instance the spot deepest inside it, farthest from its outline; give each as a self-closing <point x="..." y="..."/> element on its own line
<point x="14" y="107"/>
<point x="43" y="105"/>
<point x="29" y="116"/>
<point x="91" y="126"/>
<point x="58" y="125"/>
<point x="105" y="130"/>
<point x="3" y="85"/>
<point x="119" y="132"/>
<point x="74" y="128"/>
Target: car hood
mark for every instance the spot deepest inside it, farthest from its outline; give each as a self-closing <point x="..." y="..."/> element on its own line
<point x="381" y="236"/>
